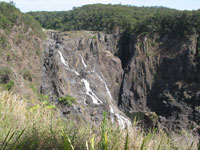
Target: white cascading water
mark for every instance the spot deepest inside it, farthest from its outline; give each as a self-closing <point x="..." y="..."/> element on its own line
<point x="63" y="60"/>
<point x="90" y="93"/>
<point x="122" y="121"/>
<point x="83" y="62"/>
<point x="127" y="122"/>
<point x="112" y="113"/>
<point x="66" y="63"/>
<point x="107" y="89"/>
<point x="74" y="71"/>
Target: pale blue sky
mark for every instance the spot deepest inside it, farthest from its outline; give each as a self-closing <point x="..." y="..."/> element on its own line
<point x="51" y="5"/>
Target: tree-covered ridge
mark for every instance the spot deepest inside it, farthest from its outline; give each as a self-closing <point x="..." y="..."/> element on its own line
<point x="11" y="16"/>
<point x="140" y="20"/>
<point x="176" y="24"/>
<point x="97" y="17"/>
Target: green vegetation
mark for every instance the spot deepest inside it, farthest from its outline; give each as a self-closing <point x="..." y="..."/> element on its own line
<point x="8" y="86"/>
<point x="67" y="100"/>
<point x="198" y="46"/>
<point x="97" y="17"/>
<point x="10" y="16"/>
<point x="3" y="42"/>
<point x="94" y="37"/>
<point x="118" y="18"/>
<point x="174" y="24"/>
<point x="36" y="124"/>
<point x="43" y="97"/>
<point x="5" y="74"/>
<point x="30" y="125"/>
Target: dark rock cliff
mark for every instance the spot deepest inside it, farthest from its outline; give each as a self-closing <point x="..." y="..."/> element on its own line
<point x="82" y="65"/>
<point x="162" y="77"/>
<point x="105" y="72"/>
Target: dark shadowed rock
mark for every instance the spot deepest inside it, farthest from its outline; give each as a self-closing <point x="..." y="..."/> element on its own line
<point x="160" y="77"/>
<point x="157" y="77"/>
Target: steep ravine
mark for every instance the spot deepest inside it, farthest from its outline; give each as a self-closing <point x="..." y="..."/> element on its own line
<point x="156" y="78"/>
<point x="162" y="77"/>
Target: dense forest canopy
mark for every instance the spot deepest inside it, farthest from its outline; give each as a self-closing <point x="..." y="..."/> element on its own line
<point x="100" y="17"/>
<point x="97" y="17"/>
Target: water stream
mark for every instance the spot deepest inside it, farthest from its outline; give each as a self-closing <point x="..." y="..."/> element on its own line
<point x="83" y="62"/>
<point x="107" y="89"/>
<point x="90" y="93"/>
<point x="66" y="63"/>
<point x="123" y="122"/>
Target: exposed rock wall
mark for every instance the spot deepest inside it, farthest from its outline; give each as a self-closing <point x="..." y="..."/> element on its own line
<point x="82" y="64"/>
<point x="157" y="77"/>
<point x="162" y="77"/>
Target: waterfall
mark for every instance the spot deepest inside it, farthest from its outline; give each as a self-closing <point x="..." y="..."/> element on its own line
<point x="107" y="89"/>
<point x="122" y="121"/>
<point x="83" y="62"/>
<point x="66" y="63"/>
<point x="62" y="59"/>
<point x="112" y="113"/>
<point x="90" y="93"/>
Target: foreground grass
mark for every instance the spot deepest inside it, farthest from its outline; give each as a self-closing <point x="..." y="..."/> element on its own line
<point x="36" y="126"/>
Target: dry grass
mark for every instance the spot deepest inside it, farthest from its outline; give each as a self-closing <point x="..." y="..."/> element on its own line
<point x="45" y="130"/>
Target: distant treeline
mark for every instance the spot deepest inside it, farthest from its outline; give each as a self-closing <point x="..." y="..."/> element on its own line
<point x="112" y="18"/>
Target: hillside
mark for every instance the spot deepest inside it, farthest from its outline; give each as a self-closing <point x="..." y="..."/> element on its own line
<point x="104" y="77"/>
<point x="20" y="50"/>
<point x="98" y="17"/>
<point x="158" y="49"/>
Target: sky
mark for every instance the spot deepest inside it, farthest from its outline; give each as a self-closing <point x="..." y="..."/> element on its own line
<point x="58" y="5"/>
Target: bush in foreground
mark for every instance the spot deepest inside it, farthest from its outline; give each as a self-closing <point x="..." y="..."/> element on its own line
<point x="32" y="125"/>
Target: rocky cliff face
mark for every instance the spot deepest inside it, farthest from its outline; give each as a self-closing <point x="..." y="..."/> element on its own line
<point x="104" y="72"/>
<point x="82" y="65"/>
<point x="162" y="77"/>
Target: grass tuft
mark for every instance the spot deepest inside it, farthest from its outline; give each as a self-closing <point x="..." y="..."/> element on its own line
<point x="31" y="125"/>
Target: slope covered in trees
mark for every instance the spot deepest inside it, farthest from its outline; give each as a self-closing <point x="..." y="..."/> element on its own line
<point x="97" y="17"/>
<point x="176" y="24"/>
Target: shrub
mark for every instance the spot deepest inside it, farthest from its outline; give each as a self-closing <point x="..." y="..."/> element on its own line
<point x="94" y="37"/>
<point x="3" y="41"/>
<point x="33" y="87"/>
<point x="5" y="74"/>
<point x="43" y="97"/>
<point x="9" y="85"/>
<point x="35" y="126"/>
<point x="67" y="100"/>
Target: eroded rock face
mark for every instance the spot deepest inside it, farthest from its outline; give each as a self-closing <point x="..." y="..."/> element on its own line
<point x="106" y="72"/>
<point x="83" y="65"/>
<point x="162" y="77"/>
